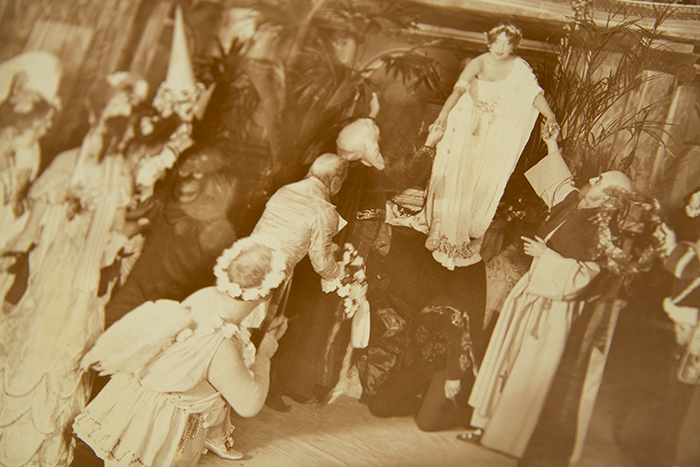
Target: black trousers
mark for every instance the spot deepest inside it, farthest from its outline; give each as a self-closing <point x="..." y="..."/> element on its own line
<point x="422" y="394"/>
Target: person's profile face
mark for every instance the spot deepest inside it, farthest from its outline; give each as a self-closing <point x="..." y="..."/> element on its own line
<point x="593" y="194"/>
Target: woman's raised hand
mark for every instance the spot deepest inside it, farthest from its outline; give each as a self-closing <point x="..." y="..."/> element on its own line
<point x="534" y="248"/>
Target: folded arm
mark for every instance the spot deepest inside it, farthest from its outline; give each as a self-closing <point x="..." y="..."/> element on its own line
<point x="559" y="278"/>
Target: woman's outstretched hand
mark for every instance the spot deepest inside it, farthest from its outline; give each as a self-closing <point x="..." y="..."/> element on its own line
<point x="437" y="131"/>
<point x="439" y="125"/>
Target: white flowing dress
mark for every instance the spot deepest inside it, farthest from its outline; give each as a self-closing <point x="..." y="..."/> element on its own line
<point x="156" y="410"/>
<point x="476" y="157"/>
<point x="43" y="338"/>
<point x="531" y="332"/>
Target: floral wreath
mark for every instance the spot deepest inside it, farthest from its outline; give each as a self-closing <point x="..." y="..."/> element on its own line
<point x="272" y="279"/>
<point x="626" y="223"/>
<point x="179" y="101"/>
<point x="351" y="283"/>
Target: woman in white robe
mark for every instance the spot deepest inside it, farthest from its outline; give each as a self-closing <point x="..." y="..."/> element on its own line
<point x="486" y="122"/>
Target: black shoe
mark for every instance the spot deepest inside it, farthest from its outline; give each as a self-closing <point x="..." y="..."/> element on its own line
<point x="275" y="402"/>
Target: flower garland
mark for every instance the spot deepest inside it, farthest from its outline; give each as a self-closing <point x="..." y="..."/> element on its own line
<point x="272" y="279"/>
<point x="626" y="223"/>
<point x="351" y="283"/>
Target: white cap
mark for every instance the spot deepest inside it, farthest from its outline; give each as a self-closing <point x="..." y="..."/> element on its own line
<point x="38" y="71"/>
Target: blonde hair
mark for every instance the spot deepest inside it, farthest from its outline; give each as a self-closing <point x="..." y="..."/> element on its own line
<point x="250" y="267"/>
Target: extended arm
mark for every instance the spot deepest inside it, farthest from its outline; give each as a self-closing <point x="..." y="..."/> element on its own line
<point x="541" y="104"/>
<point x="322" y="249"/>
<point x="551" y="178"/>
<point x="245" y="392"/>
<point x="470" y="71"/>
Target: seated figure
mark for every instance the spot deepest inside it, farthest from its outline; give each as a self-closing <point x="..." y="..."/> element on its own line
<point x="187" y="231"/>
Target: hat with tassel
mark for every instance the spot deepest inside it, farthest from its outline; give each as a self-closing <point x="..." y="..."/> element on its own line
<point x="179" y="93"/>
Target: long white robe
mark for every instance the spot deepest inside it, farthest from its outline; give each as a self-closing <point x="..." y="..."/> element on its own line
<point x="530" y="335"/>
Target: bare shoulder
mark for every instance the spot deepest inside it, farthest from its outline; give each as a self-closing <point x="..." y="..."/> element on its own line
<point x="474" y="66"/>
<point x="480" y="60"/>
<point x="521" y="61"/>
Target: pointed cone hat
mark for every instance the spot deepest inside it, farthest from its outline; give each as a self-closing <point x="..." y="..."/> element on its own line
<point x="180" y="75"/>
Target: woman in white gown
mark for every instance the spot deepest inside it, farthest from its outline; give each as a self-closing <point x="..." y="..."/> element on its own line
<point x="486" y="122"/>
<point x="77" y="207"/>
<point x="29" y="83"/>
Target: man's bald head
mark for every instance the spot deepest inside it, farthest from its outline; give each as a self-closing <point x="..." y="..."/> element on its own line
<point x="596" y="191"/>
<point x="331" y="169"/>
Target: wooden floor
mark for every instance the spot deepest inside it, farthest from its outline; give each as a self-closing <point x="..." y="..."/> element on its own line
<point x="344" y="433"/>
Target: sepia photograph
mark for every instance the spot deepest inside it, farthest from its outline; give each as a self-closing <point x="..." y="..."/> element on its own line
<point x="350" y="233"/>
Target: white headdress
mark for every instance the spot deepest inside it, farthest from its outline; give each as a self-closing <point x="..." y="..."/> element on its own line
<point x="37" y="71"/>
<point x="272" y="279"/>
<point x="360" y="139"/>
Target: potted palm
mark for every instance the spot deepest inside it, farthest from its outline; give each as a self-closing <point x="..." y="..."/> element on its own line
<point x="290" y="87"/>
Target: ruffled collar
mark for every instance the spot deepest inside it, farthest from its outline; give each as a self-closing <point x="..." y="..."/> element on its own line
<point x="209" y="322"/>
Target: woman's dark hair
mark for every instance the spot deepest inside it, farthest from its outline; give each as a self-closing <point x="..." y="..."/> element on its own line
<point x="162" y="127"/>
<point x="99" y="95"/>
<point x="512" y="32"/>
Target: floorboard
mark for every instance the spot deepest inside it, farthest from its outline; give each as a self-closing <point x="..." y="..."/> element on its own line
<point x="345" y="434"/>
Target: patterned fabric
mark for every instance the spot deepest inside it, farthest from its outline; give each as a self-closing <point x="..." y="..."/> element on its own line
<point x="683" y="306"/>
<point x="60" y="313"/>
<point x="439" y="335"/>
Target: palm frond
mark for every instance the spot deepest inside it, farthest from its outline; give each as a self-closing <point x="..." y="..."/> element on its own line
<point x="411" y="65"/>
<point x="598" y="74"/>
